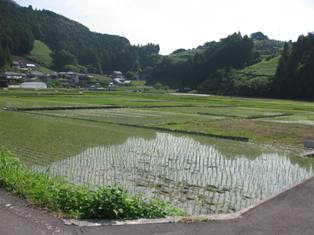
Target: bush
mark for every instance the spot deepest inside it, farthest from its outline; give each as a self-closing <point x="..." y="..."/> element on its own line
<point x="78" y="201"/>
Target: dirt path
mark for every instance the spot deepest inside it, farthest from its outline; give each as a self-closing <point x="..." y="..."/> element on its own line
<point x="289" y="213"/>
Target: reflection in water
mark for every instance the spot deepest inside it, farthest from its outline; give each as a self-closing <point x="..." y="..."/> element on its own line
<point x="191" y="175"/>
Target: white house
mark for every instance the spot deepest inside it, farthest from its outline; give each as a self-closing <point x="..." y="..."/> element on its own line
<point x="30" y="66"/>
<point x="117" y="74"/>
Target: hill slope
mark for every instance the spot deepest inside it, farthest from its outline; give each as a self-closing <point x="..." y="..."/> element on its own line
<point x="41" y="54"/>
<point x="71" y="42"/>
<point x="242" y="62"/>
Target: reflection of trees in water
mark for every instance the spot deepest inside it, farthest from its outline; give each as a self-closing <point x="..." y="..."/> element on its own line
<point x="196" y="177"/>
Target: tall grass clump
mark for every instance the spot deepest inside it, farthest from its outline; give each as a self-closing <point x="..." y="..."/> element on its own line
<point x="76" y="201"/>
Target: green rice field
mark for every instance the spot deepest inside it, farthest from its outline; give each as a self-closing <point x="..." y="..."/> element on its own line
<point x="162" y="145"/>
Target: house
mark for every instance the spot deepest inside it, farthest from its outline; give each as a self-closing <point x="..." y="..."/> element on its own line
<point x="13" y="75"/>
<point x="23" y="66"/>
<point x="11" y="78"/>
<point x="16" y="64"/>
<point x="117" y="75"/>
<point x="118" y="78"/>
<point x="76" y="78"/>
<point x="31" y="66"/>
<point x="36" y="74"/>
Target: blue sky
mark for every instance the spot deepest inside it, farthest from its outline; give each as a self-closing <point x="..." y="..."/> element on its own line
<point x="186" y="24"/>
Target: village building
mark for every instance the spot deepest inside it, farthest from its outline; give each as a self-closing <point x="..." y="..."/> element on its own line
<point x="23" y="66"/>
<point x="31" y="66"/>
<point x="12" y="78"/>
<point x="117" y="74"/>
<point x="36" y="75"/>
<point x="75" y="78"/>
<point x="119" y="79"/>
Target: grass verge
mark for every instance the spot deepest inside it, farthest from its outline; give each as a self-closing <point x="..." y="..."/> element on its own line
<point x="77" y="201"/>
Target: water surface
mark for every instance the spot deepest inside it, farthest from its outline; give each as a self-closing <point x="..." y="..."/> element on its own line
<point x="201" y="175"/>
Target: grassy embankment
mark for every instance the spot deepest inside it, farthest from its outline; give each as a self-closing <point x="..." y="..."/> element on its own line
<point x="77" y="201"/>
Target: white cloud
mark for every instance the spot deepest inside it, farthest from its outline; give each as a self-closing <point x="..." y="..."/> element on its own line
<point x="186" y="23"/>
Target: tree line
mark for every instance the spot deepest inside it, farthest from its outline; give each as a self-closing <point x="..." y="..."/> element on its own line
<point x="295" y="73"/>
<point x="234" y="51"/>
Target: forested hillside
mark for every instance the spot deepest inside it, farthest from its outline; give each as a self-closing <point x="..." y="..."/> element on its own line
<point x="219" y="67"/>
<point x="295" y="73"/>
<point x="73" y="44"/>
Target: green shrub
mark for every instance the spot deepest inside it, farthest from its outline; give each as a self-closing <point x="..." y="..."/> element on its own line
<point x="77" y="201"/>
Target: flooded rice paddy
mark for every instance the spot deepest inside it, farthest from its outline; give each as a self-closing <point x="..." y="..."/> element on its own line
<point x="201" y="175"/>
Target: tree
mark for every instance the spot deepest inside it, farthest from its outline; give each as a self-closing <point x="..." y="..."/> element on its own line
<point x="2" y="57"/>
<point x="295" y="73"/>
<point x="178" y="51"/>
<point x="7" y="55"/>
<point x="259" y="36"/>
<point x="62" y="58"/>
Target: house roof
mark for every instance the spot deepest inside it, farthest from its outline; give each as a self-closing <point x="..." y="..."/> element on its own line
<point x="30" y="65"/>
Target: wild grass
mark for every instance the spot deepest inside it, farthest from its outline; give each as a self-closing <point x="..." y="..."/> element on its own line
<point x="264" y="68"/>
<point x="41" y="54"/>
<point x="77" y="201"/>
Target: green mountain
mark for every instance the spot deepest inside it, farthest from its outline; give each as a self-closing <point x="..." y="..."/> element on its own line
<point x="71" y="43"/>
<point x="262" y="45"/>
<point x="207" y="67"/>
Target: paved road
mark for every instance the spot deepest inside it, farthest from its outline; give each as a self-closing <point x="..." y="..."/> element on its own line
<point x="290" y="213"/>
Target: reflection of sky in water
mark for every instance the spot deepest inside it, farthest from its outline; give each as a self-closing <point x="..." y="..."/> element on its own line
<point x="194" y="176"/>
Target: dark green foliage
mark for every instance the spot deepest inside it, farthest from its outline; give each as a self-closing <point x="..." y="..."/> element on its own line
<point x="16" y="31"/>
<point x="63" y="58"/>
<point x="77" y="201"/>
<point x="259" y="36"/>
<point x="220" y="67"/>
<point x="178" y="51"/>
<point x="220" y="82"/>
<point x="96" y="52"/>
<point x="269" y="47"/>
<point x="295" y="73"/>
<point x="254" y="80"/>
<point x="2" y="57"/>
<point x="234" y="51"/>
<point x="5" y="55"/>
<point x="148" y="55"/>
